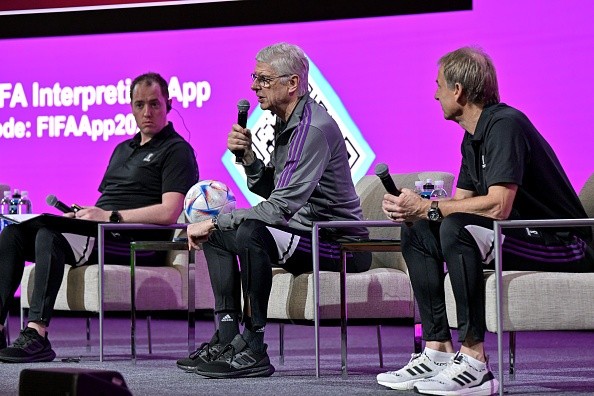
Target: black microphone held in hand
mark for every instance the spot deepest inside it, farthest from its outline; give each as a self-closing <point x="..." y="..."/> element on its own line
<point x="51" y="200"/>
<point x="242" y="112"/>
<point x="381" y="171"/>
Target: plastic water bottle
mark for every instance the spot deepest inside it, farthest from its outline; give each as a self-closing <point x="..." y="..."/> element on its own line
<point x="439" y="192"/>
<point x="428" y="188"/>
<point x="14" y="201"/>
<point x="24" y="204"/>
<point x="419" y="186"/>
<point x="5" y="208"/>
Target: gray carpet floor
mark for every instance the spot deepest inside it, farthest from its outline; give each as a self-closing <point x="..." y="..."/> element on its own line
<point x="547" y="362"/>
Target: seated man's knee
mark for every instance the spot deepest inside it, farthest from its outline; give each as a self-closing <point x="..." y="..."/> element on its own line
<point x="9" y="232"/>
<point x="45" y="238"/>
<point x="449" y="232"/>
<point x="415" y="232"/>
<point x="249" y="233"/>
<point x="11" y="235"/>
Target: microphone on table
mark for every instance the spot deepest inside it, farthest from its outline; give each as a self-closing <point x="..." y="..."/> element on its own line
<point x="52" y="200"/>
<point x="242" y="112"/>
<point x="381" y="171"/>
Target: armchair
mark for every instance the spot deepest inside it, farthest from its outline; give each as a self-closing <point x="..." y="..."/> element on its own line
<point x="534" y="301"/>
<point x="100" y="288"/>
<point x="381" y="293"/>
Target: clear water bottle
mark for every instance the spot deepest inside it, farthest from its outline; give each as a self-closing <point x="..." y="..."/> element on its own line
<point x="24" y="205"/>
<point x="419" y="186"/>
<point x="428" y="188"/>
<point x="439" y="192"/>
<point x="5" y="208"/>
<point x="14" y="201"/>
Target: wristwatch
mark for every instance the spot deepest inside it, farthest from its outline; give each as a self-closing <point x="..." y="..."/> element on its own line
<point x="115" y="217"/>
<point x="434" y="214"/>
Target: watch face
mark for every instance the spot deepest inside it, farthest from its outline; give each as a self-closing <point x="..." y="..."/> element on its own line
<point x="434" y="215"/>
<point x="115" y="217"/>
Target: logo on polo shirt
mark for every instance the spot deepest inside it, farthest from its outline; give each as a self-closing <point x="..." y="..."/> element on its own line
<point x="261" y="123"/>
<point x="149" y="157"/>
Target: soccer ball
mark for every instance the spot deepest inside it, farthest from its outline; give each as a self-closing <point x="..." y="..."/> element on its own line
<point x="207" y="199"/>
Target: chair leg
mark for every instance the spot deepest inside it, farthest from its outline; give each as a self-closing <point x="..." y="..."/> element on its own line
<point x="343" y="316"/>
<point x="512" y="355"/>
<point x="88" y="331"/>
<point x="7" y="329"/>
<point x="23" y="314"/>
<point x="281" y="344"/>
<point x="418" y="347"/>
<point x="148" y="330"/>
<point x="191" y="301"/>
<point x="379" y="346"/>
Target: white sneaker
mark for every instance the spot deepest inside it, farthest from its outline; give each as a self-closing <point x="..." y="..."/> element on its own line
<point x="419" y="367"/>
<point x="461" y="377"/>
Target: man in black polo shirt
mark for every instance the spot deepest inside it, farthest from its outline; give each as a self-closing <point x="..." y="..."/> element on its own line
<point x="508" y="171"/>
<point x="145" y="182"/>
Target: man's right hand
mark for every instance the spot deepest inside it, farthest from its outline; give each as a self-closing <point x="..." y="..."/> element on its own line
<point x="240" y="139"/>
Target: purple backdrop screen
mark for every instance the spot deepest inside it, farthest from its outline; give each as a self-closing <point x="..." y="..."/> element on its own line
<point x="64" y="101"/>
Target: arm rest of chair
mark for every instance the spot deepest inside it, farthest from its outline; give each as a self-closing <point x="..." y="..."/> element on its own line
<point x="364" y="245"/>
<point x="497" y="226"/>
<point x="315" y="232"/>
<point x="103" y="227"/>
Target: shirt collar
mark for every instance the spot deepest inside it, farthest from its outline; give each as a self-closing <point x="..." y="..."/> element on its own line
<point x="156" y="140"/>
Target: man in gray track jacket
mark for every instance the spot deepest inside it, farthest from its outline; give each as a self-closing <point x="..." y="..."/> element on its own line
<point x="308" y="179"/>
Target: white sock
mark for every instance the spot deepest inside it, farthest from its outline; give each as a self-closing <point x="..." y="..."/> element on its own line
<point x="474" y="362"/>
<point x="438" y="356"/>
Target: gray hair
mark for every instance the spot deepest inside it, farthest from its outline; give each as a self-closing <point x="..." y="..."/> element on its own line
<point x="473" y="69"/>
<point x="287" y="59"/>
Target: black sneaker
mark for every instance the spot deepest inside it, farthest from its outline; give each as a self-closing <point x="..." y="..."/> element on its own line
<point x="204" y="354"/>
<point x="237" y="360"/>
<point x="29" y="347"/>
<point x="3" y="339"/>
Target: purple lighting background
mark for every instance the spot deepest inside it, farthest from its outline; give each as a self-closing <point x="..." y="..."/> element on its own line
<point x="382" y="69"/>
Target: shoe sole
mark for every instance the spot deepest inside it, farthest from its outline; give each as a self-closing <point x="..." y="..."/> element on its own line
<point x="486" y="389"/>
<point x="187" y="369"/>
<point x="246" y="373"/>
<point x="45" y="357"/>
<point x="408" y="385"/>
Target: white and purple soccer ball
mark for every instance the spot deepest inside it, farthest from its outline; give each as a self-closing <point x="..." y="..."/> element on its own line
<point x="207" y="199"/>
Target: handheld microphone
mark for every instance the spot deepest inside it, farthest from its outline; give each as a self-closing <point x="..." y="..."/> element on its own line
<point x="242" y="112"/>
<point x="381" y="171"/>
<point x="51" y="200"/>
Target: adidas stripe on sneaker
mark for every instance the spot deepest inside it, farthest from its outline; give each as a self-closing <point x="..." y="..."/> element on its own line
<point x="419" y="367"/>
<point x="463" y="376"/>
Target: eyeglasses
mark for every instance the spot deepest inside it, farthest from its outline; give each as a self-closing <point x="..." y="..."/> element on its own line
<point x="264" y="81"/>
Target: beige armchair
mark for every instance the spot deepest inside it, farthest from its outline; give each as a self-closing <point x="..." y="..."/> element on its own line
<point x="381" y="293"/>
<point x="103" y="288"/>
<point x="535" y="301"/>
